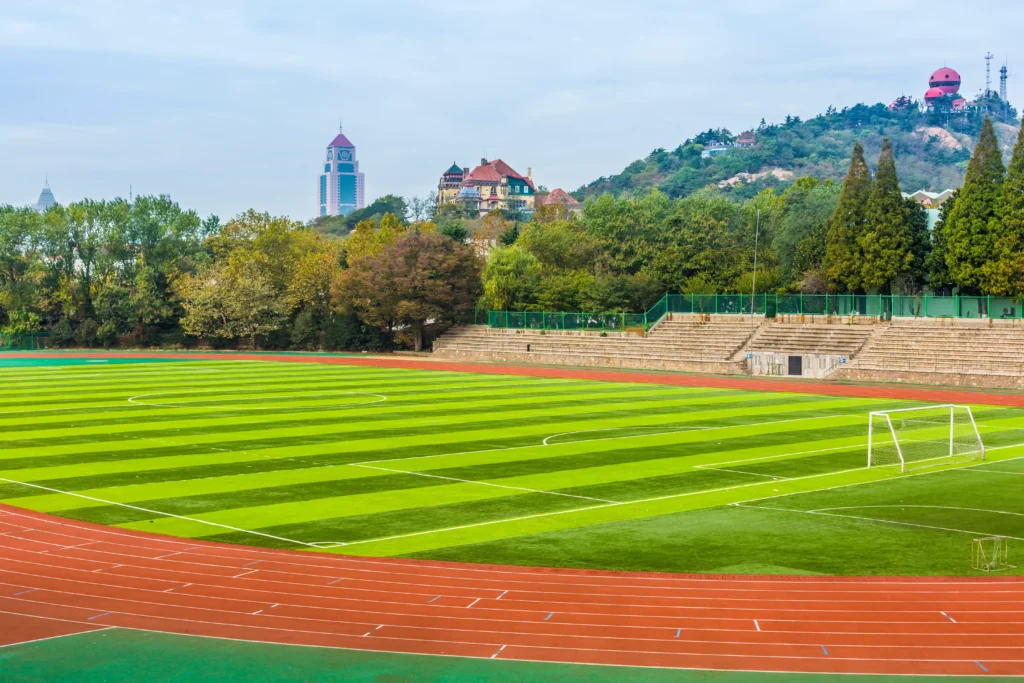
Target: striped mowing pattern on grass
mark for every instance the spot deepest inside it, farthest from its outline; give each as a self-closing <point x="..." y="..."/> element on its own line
<point x="385" y="461"/>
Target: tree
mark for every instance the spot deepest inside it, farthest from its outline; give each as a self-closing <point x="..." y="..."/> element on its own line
<point x="1004" y="273"/>
<point x="969" y="232"/>
<point x="511" y="279"/>
<point x="800" y="239"/>
<point x="418" y="278"/>
<point x="842" y="246"/>
<point x="935" y="265"/>
<point x="886" y="244"/>
<point x="236" y="299"/>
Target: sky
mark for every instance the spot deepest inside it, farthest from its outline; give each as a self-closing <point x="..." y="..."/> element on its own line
<point x="229" y="104"/>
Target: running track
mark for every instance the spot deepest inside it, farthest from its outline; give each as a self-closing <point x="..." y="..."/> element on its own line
<point x="59" y="577"/>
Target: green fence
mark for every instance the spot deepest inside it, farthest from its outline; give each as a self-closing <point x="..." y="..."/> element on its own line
<point x="598" y="322"/>
<point x="23" y="342"/>
<point x="770" y="305"/>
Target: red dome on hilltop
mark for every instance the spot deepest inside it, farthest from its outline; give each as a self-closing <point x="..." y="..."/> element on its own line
<point x="946" y="79"/>
<point x="934" y="94"/>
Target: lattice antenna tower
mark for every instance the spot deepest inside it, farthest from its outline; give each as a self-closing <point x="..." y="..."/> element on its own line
<point x="988" y="72"/>
<point x="1004" y="73"/>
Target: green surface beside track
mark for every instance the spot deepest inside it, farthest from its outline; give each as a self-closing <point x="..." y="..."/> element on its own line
<point x="118" y="655"/>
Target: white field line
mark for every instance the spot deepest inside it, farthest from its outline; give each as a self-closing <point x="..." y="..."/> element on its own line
<point x="63" y="635"/>
<point x="874" y="519"/>
<point x="960" y="468"/>
<point x="935" y="507"/>
<point x="607" y="438"/>
<point x="1018" y="474"/>
<point x="752" y="474"/>
<point x="379" y="398"/>
<point x="780" y="456"/>
<point x="153" y="512"/>
<point x="651" y="500"/>
<point x="485" y="483"/>
<point x="617" y="429"/>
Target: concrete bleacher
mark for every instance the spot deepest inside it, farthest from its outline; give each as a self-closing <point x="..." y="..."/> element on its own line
<point x="940" y="351"/>
<point x="694" y="343"/>
<point x="834" y="340"/>
<point x="959" y="352"/>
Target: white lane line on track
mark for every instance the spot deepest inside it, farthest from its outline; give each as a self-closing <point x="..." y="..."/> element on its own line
<point x="472" y="603"/>
<point x="484" y="483"/>
<point x="898" y="626"/>
<point x="421" y="640"/>
<point x="251" y="571"/>
<point x="713" y="603"/>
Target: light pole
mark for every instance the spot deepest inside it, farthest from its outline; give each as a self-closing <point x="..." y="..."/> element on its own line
<point x="753" y="287"/>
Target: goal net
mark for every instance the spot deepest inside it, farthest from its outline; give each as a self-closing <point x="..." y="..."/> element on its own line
<point x="923" y="437"/>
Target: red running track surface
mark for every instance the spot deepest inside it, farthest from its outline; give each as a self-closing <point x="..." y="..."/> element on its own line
<point x="59" y="576"/>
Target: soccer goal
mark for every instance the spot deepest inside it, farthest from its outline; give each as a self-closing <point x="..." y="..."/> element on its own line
<point x="991" y="554"/>
<point x="912" y="438"/>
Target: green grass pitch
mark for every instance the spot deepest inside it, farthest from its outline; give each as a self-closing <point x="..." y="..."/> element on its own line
<point x="487" y="468"/>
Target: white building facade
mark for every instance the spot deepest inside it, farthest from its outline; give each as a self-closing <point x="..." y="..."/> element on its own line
<point x="342" y="187"/>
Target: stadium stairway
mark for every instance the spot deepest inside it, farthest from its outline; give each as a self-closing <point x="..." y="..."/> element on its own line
<point x="691" y="343"/>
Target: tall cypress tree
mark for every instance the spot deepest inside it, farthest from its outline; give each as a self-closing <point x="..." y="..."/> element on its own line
<point x="970" y="241"/>
<point x="843" y="258"/>
<point x="1005" y="275"/>
<point x="886" y="242"/>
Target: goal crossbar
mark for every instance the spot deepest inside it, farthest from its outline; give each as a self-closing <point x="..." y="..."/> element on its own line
<point x="924" y="436"/>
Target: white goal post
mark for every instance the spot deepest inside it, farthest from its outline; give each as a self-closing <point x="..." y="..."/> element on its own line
<point x="911" y="438"/>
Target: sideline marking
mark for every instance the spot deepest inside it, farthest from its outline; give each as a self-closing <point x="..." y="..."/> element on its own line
<point x="154" y="512"/>
<point x="63" y="635"/>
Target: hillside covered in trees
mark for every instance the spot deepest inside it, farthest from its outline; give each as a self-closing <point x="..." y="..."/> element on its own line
<point x="932" y="151"/>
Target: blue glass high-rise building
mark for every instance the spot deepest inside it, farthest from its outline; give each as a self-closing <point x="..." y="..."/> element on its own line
<point x="342" y="188"/>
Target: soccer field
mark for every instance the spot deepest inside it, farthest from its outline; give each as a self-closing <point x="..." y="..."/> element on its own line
<point x="495" y="468"/>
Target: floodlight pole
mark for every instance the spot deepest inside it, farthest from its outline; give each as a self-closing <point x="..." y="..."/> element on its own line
<point x="753" y="287"/>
